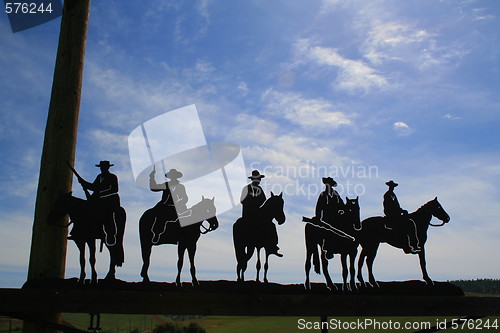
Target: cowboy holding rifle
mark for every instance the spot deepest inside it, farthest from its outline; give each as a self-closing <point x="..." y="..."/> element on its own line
<point x="104" y="198"/>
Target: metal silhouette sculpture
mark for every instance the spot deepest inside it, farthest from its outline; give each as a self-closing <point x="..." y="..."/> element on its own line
<point x="87" y="228"/>
<point x="322" y="237"/>
<point x="374" y="232"/>
<point x="256" y="232"/>
<point x="162" y="224"/>
<point x="397" y="218"/>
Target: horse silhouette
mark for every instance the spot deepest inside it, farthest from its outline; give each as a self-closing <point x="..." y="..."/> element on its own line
<point x="87" y="229"/>
<point x="317" y="234"/>
<point x="185" y="237"/>
<point x="249" y="236"/>
<point x="373" y="233"/>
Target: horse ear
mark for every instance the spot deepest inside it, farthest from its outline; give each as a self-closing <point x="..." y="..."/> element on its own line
<point x="272" y="194"/>
<point x="213" y="199"/>
<point x="436" y="198"/>
<point x="202" y="197"/>
<point x="346" y="198"/>
<point x="357" y="197"/>
<point x="281" y="194"/>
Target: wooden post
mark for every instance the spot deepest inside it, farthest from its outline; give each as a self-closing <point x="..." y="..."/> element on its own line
<point x="48" y="244"/>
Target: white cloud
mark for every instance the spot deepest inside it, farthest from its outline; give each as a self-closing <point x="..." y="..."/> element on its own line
<point x="242" y="86"/>
<point x="402" y="128"/>
<point x="388" y="41"/>
<point x="353" y="75"/>
<point x="450" y="116"/>
<point x="310" y="114"/>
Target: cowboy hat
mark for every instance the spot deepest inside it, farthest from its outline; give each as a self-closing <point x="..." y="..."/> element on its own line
<point x="329" y="180"/>
<point x="391" y="183"/>
<point x="256" y="175"/>
<point x="104" y="164"/>
<point x="173" y="174"/>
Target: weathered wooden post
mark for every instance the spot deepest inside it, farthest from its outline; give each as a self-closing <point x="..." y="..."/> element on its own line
<point x="48" y="244"/>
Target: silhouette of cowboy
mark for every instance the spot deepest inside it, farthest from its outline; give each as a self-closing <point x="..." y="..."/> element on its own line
<point x="172" y="204"/>
<point x="397" y="218"/>
<point x="252" y="198"/>
<point x="329" y="207"/>
<point x="105" y="199"/>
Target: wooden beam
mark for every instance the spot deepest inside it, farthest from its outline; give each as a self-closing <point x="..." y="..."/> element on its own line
<point x="48" y="244"/>
<point x="184" y="302"/>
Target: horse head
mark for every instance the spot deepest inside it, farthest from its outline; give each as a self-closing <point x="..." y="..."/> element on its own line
<point x="60" y="208"/>
<point x="352" y="207"/>
<point x="438" y="211"/>
<point x="209" y="212"/>
<point x="276" y="204"/>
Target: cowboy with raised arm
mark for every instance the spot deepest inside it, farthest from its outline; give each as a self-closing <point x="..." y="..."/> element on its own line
<point x="397" y="218"/>
<point x="172" y="204"/>
<point x="106" y="199"/>
<point x="252" y="198"/>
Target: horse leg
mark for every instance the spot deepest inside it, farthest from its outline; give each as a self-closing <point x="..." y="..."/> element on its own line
<point x="112" y="270"/>
<point x="309" y="253"/>
<point x="146" y="257"/>
<point x="81" y="248"/>
<point x="345" y="272"/>
<point x="257" y="267"/>
<point x="92" y="250"/>
<point x="369" y="262"/>
<point x="324" y="265"/>
<point x="191" y="252"/>
<point x="361" y="261"/>
<point x="244" y="264"/>
<point x="266" y="267"/>
<point x="423" y="266"/>
<point x="352" y="268"/>
<point x="181" y="249"/>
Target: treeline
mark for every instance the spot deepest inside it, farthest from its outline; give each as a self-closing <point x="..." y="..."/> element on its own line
<point x="483" y="286"/>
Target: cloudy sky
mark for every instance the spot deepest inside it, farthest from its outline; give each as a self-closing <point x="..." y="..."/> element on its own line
<point x="363" y="91"/>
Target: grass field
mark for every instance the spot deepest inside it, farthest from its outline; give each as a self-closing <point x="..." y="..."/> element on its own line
<point x="111" y="323"/>
<point x="252" y="324"/>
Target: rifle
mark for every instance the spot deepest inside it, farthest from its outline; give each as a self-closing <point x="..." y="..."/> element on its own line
<point x="320" y="224"/>
<point x="80" y="179"/>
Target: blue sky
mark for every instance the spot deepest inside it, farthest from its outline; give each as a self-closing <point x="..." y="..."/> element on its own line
<point x="406" y="89"/>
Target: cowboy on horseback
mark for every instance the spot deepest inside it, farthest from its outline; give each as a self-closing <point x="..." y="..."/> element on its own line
<point x="105" y="199"/>
<point x="329" y="209"/>
<point x="252" y="198"/>
<point x="397" y="218"/>
<point x="172" y="204"/>
<point x="329" y="205"/>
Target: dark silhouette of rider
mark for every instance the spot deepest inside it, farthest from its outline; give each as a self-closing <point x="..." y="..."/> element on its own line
<point x="252" y="198"/>
<point x="329" y="205"/>
<point x="105" y="198"/>
<point x="172" y="204"/>
<point x="397" y="218"/>
<point x="329" y="208"/>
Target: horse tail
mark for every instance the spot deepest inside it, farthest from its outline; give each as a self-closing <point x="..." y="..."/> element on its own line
<point x="239" y="247"/>
<point x="316" y="264"/>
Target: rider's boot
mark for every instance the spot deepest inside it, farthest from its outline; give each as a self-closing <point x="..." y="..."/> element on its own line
<point x="110" y="239"/>
<point x="275" y="252"/>
<point x="156" y="238"/>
